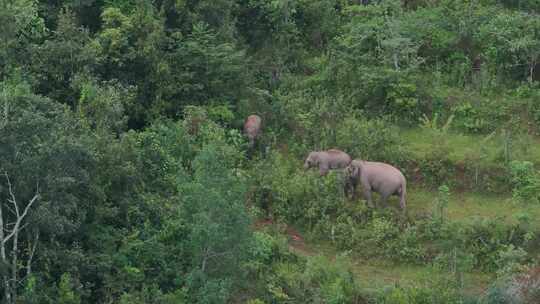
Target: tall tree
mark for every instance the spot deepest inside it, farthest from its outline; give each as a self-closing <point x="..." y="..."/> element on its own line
<point x="21" y="28"/>
<point x="45" y="176"/>
<point x="65" y="54"/>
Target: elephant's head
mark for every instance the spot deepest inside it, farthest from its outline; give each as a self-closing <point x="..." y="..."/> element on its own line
<point x="312" y="160"/>
<point x="353" y="170"/>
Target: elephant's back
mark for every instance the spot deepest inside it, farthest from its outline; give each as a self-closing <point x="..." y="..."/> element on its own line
<point x="254" y="118"/>
<point x="339" y="155"/>
<point x="387" y="170"/>
<point x="382" y="165"/>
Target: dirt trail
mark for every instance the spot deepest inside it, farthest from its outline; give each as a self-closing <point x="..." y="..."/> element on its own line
<point x="296" y="241"/>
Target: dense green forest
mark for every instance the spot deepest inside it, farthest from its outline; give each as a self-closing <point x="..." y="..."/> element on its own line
<point x="125" y="175"/>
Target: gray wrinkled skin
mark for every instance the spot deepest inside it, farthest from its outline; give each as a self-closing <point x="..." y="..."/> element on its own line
<point x="252" y="128"/>
<point x="327" y="160"/>
<point x="379" y="177"/>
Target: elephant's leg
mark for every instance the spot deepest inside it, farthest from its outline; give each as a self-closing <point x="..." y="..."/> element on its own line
<point x="347" y="189"/>
<point x="323" y="170"/>
<point x="367" y="196"/>
<point x="402" y="199"/>
<point x="384" y="199"/>
<point x="350" y="189"/>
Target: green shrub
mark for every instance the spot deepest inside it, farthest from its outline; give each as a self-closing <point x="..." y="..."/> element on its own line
<point x="489" y="244"/>
<point x="374" y="235"/>
<point x="482" y="176"/>
<point x="316" y="281"/>
<point x="531" y="94"/>
<point x="488" y="239"/>
<point x="469" y="119"/>
<point x="300" y="196"/>
<point x="403" y="101"/>
<point x="437" y="168"/>
<point x="520" y="288"/>
<point x="375" y="139"/>
<point x="440" y="203"/>
<point x="438" y="289"/>
<point x="525" y="181"/>
<point x="511" y="260"/>
<point x="348" y="227"/>
<point x="67" y="294"/>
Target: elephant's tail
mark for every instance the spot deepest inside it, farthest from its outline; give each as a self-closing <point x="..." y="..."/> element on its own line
<point x="403" y="194"/>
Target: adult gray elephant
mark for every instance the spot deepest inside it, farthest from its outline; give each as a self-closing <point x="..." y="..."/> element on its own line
<point x="252" y="128"/>
<point x="327" y="160"/>
<point x="379" y="177"/>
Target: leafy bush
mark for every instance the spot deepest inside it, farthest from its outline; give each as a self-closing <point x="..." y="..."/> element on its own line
<point x="511" y="260"/>
<point x="468" y="119"/>
<point x="525" y="181"/>
<point x="531" y="94"/>
<point x="488" y="244"/>
<point x="403" y="101"/>
<point x="440" y="203"/>
<point x="372" y="234"/>
<point x="455" y="262"/>
<point x="318" y="281"/>
<point x="312" y="118"/>
<point x="437" y="289"/>
<point x="520" y="288"/>
<point x="437" y="168"/>
<point x="488" y="240"/>
<point x="300" y="196"/>
<point x="370" y="139"/>
<point x="385" y="238"/>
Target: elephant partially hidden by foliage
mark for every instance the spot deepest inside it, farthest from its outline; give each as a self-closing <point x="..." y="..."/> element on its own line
<point x="327" y="160"/>
<point x="379" y="177"/>
<point x="252" y="129"/>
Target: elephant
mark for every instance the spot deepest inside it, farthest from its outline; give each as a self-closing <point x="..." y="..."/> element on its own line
<point x="327" y="160"/>
<point x="379" y="177"/>
<point x="252" y="129"/>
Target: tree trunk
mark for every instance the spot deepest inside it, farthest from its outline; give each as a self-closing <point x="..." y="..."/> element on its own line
<point x="10" y="283"/>
<point x="31" y="251"/>
<point x="14" y="255"/>
<point x="531" y="71"/>
<point x="7" y="297"/>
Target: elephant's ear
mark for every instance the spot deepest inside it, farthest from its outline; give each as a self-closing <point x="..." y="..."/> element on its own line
<point x="349" y="171"/>
<point x="355" y="170"/>
<point x="310" y="158"/>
